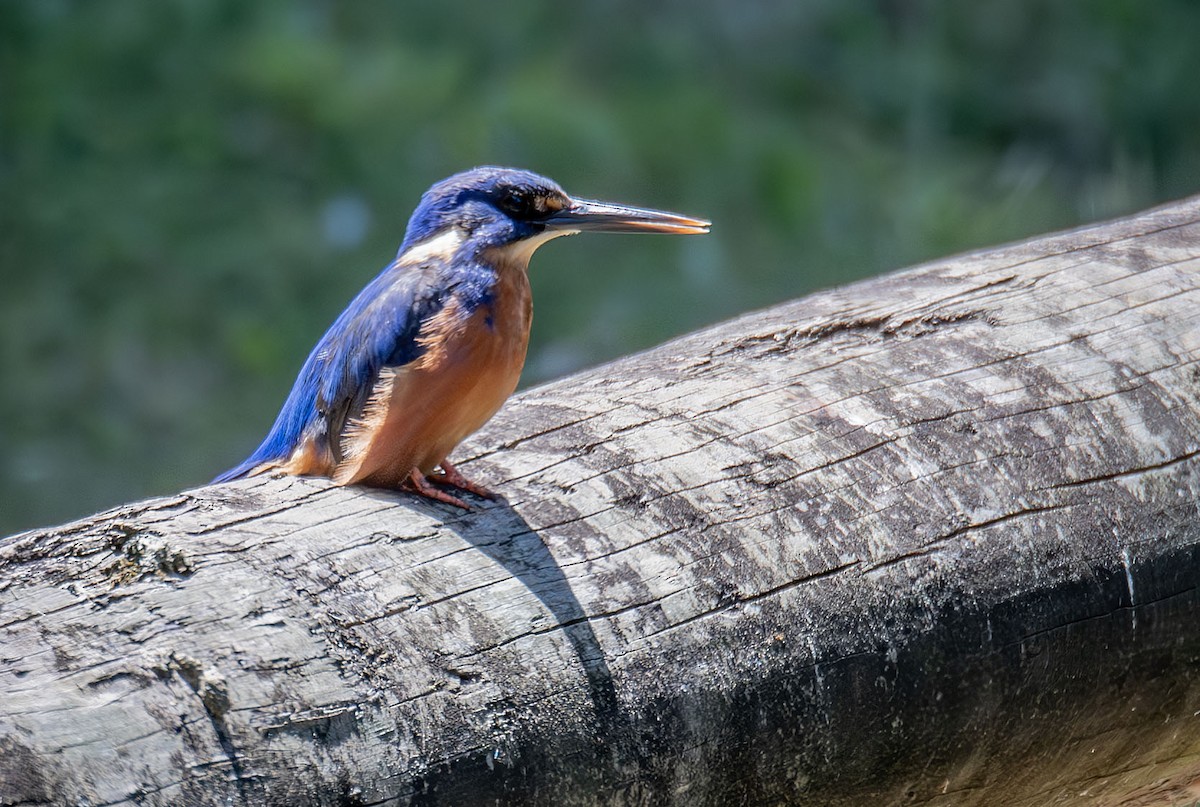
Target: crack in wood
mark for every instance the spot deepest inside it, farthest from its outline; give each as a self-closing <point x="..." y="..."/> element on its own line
<point x="879" y="546"/>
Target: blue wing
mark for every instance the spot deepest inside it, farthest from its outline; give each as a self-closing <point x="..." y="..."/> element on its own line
<point x="380" y="328"/>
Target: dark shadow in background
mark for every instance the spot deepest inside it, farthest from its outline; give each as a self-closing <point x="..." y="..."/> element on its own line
<point x="523" y="554"/>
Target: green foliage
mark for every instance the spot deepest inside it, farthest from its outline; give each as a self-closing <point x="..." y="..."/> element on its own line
<point x="190" y="191"/>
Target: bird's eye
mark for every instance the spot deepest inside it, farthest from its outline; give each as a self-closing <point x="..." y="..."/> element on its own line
<point x="514" y="202"/>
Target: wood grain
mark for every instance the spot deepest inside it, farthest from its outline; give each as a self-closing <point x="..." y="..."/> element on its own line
<point x="930" y="539"/>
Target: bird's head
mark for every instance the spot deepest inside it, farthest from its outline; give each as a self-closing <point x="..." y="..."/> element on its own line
<point x="501" y="208"/>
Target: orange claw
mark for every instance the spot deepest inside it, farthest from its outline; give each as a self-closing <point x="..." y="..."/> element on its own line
<point x="423" y="485"/>
<point x="451" y="476"/>
<point x="419" y="483"/>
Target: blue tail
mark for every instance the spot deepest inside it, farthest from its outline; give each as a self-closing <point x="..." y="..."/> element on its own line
<point x="298" y="413"/>
<point x="238" y="471"/>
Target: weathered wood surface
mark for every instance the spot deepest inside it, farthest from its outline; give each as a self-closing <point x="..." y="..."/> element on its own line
<point x="929" y="539"/>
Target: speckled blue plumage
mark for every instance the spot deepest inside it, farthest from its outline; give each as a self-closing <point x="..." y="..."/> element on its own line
<point x="382" y="325"/>
<point x="434" y="345"/>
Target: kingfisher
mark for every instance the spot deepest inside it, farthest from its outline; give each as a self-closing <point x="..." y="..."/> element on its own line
<point x="432" y="347"/>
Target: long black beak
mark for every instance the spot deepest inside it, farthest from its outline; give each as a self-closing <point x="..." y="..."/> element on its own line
<point x="601" y="217"/>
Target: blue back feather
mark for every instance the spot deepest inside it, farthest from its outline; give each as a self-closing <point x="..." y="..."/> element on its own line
<point x="381" y="326"/>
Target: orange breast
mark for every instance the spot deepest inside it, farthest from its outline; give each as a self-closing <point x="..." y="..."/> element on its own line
<point x="421" y="411"/>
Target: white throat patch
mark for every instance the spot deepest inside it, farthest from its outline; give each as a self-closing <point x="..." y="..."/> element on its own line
<point x="518" y="253"/>
<point x="443" y="245"/>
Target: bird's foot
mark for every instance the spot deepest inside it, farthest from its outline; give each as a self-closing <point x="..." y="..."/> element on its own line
<point x="453" y="477"/>
<point x="424" y="485"/>
<point x="419" y="483"/>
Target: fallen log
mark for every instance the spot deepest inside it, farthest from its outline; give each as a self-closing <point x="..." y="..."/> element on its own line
<point x="930" y="539"/>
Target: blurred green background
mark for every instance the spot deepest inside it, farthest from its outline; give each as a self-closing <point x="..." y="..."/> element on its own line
<point x="191" y="191"/>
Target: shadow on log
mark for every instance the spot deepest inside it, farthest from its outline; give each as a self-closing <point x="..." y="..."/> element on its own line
<point x="930" y="539"/>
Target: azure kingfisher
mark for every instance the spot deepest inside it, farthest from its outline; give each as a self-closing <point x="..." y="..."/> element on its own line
<point x="434" y="345"/>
